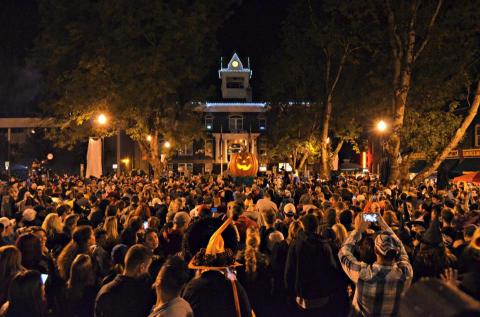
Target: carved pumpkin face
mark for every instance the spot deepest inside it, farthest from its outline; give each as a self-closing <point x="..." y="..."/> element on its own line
<point x="243" y="164"/>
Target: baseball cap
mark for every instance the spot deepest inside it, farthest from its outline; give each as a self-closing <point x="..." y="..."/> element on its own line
<point x="289" y="210"/>
<point x="384" y="242"/>
<point x="181" y="218"/>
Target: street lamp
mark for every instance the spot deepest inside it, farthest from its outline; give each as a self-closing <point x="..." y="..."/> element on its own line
<point x="382" y="126"/>
<point x="102" y="119"/>
<point x="167" y="145"/>
<point x="149" y="138"/>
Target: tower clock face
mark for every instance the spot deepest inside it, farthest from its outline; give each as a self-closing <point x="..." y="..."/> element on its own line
<point x="235" y="64"/>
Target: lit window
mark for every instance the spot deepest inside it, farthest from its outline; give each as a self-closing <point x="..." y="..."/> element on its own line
<point x="262" y="124"/>
<point x="235" y="82"/>
<point x="185" y="150"/>
<point x="209" y="148"/>
<point x="185" y="168"/>
<point x="209" y="122"/>
<point x="235" y="123"/>
<point x="477" y="135"/>
<point x="234" y="148"/>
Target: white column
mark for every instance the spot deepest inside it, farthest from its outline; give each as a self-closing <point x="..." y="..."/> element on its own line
<point x="254" y="147"/>
<point x="217" y="148"/>
<point x="225" y="151"/>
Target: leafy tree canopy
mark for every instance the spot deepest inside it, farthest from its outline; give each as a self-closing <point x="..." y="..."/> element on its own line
<point x="142" y="62"/>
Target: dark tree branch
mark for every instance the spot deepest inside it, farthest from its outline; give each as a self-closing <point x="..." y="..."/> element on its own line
<point x="429" y="29"/>
<point x="472" y="113"/>
<point x="337" y="149"/>
<point x="395" y="40"/>
<point x="340" y="68"/>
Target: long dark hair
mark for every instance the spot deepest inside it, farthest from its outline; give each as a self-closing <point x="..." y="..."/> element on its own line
<point x="31" y="247"/>
<point x="10" y="264"/>
<point x="26" y="295"/>
<point x="78" y="245"/>
<point x="81" y="275"/>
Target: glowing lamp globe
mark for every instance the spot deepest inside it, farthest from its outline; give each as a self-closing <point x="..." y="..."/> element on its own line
<point x="381" y="126"/>
<point x="102" y="119"/>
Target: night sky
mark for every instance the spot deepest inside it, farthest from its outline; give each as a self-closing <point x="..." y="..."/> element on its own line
<point x="252" y="31"/>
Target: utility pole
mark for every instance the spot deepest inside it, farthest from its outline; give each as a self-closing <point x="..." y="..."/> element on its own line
<point x="9" y="142"/>
<point x="119" y="165"/>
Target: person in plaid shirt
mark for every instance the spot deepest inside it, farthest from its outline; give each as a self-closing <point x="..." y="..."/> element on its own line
<point x="378" y="286"/>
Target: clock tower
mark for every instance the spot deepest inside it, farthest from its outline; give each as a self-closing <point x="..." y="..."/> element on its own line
<point x="236" y="80"/>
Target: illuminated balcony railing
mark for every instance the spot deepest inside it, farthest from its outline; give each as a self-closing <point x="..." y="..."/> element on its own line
<point x="470" y="153"/>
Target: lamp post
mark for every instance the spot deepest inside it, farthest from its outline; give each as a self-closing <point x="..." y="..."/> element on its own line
<point x="382" y="128"/>
<point x="119" y="166"/>
<point x="102" y="121"/>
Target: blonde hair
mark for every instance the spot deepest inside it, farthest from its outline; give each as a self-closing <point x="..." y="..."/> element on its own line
<point x="175" y="205"/>
<point x="52" y="224"/>
<point x="252" y="244"/>
<point x="340" y="233"/>
<point x="111" y="227"/>
<point x="295" y="227"/>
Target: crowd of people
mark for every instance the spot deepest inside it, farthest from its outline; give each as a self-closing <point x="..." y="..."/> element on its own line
<point x="211" y="246"/>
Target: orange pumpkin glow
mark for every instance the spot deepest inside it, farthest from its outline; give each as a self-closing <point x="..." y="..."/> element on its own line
<point x="243" y="164"/>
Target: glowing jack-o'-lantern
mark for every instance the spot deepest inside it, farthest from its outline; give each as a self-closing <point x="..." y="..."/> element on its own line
<point x="243" y="164"/>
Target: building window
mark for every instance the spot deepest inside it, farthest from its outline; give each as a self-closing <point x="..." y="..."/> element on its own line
<point x="209" y="148"/>
<point x="477" y="135"/>
<point x="185" y="150"/>
<point x="262" y="146"/>
<point x="209" y="122"/>
<point x="185" y="168"/>
<point x="235" y="82"/>
<point x="262" y="124"/>
<point x="234" y="148"/>
<point x="235" y="123"/>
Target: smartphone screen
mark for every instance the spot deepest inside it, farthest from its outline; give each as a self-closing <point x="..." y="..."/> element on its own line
<point x="145" y="225"/>
<point x="370" y="217"/>
<point x="214" y="209"/>
<point x="44" y="278"/>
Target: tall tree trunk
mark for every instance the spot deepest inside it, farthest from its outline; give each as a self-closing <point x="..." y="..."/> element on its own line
<point x="151" y="150"/>
<point x="403" y="61"/>
<point x="429" y="170"/>
<point x="303" y="160"/>
<point x="335" y="152"/>
<point x="324" y="149"/>
<point x="401" y="95"/>
<point x="327" y="114"/>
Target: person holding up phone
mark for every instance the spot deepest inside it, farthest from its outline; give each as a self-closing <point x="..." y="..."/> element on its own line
<point x="386" y="279"/>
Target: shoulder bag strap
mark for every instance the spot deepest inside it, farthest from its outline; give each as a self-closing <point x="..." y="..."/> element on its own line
<point x="235" y="298"/>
